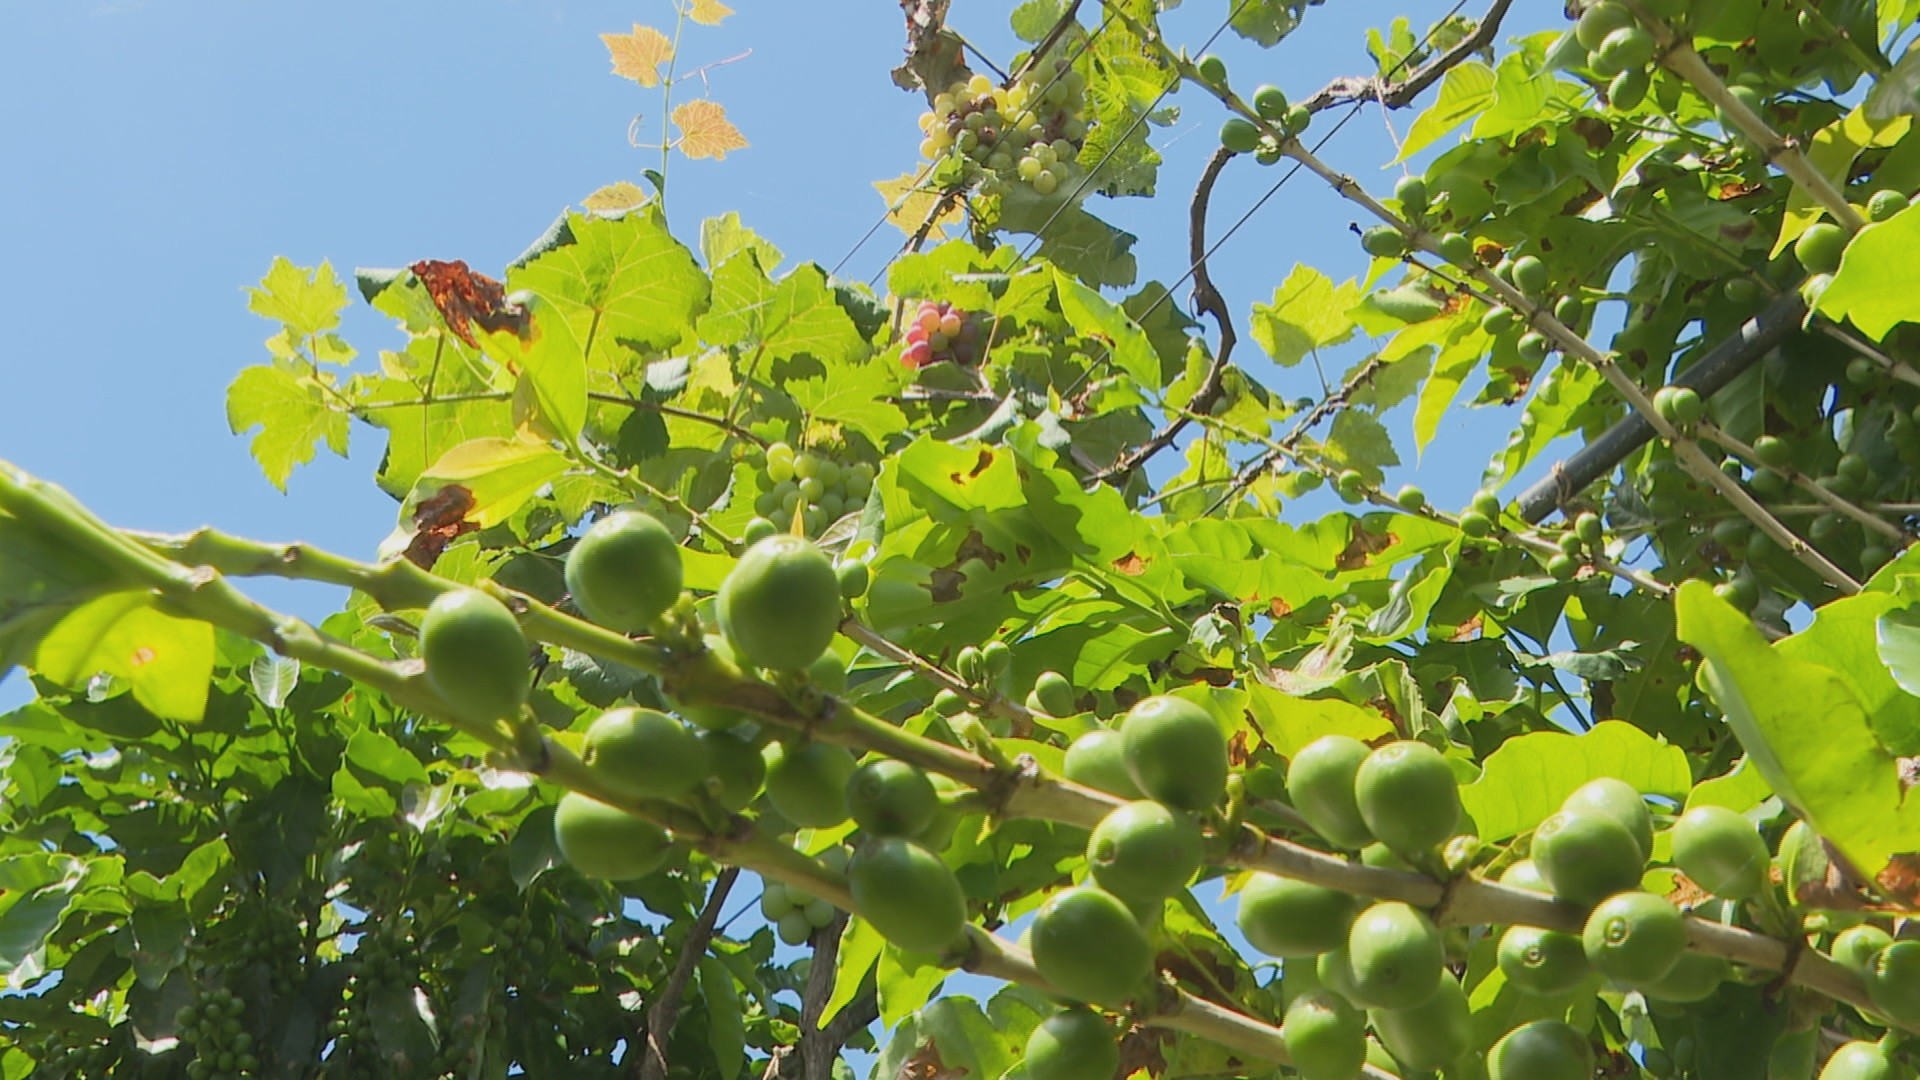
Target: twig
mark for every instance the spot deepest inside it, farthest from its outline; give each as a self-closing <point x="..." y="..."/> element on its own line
<point x="1805" y="483"/>
<point x="1397" y="95"/>
<point x="666" y="1006"/>
<point x="1206" y="298"/>
<point x="818" y="1048"/>
<point x="1322" y="409"/>
<point x="1677" y="56"/>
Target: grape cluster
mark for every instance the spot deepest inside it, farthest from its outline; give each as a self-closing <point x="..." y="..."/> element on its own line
<point x="811" y="485"/>
<point x="796" y="913"/>
<point x="211" y="1026"/>
<point x="1030" y="132"/>
<point x="941" y="333"/>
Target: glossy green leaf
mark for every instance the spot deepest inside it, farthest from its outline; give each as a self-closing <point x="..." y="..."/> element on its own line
<point x="1529" y="776"/>
<point x="165" y="661"/>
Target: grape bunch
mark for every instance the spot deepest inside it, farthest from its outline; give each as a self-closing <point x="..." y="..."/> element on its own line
<point x="942" y="333"/>
<point x="796" y="913"/>
<point x="809" y="484"/>
<point x="1030" y="132"/>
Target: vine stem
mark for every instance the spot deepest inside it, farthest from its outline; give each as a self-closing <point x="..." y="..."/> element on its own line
<point x="1019" y="790"/>
<point x="1679" y="57"/>
<point x="1690" y="456"/>
<point x="1805" y="483"/>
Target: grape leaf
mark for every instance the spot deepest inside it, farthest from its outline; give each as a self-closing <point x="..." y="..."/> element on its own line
<point x="294" y="416"/>
<point x="637" y="55"/>
<point x="622" y="279"/>
<point x="1877" y="287"/>
<point x="1308" y="312"/>
<point x="305" y="302"/>
<point x="705" y="131"/>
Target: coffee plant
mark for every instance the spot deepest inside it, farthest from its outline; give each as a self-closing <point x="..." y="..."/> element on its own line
<point x="994" y="620"/>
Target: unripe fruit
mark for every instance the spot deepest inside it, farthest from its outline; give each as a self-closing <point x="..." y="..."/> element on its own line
<point x="1411" y="191"/>
<point x="1862" y="1060"/>
<point x="1855" y="947"/>
<point x="793" y="928"/>
<point x="1239" y="135"/>
<point x="1627" y="47"/>
<point x="907" y="894"/>
<point x="1820" y="247"/>
<point x="1430" y="1035"/>
<point x="1383" y="241"/>
<point x="1721" y="851"/>
<point x="1456" y="248"/>
<point x="1174" y="751"/>
<point x="891" y="798"/>
<point x="1212" y="70"/>
<point x="854" y="577"/>
<point x="475" y="654"/>
<point x="1618" y="800"/>
<point x="997" y="657"/>
<point x="604" y="841"/>
<point x="1143" y="852"/>
<point x="1487" y="502"/>
<point x="1893" y="982"/>
<point x="1284" y="917"/>
<point x="1586" y="857"/>
<point x="1885" y="204"/>
<point x="1271" y="103"/>
<point x="1073" y="1044"/>
<point x="625" y="572"/>
<point x="1634" y="937"/>
<point x="1054" y="693"/>
<point x="808" y="784"/>
<point x="780" y="605"/>
<point x="1533" y="346"/>
<point x="645" y="754"/>
<point x="1408" y="797"/>
<point x="737" y="770"/>
<point x="1476" y="525"/>
<point x="1530" y="276"/>
<point x="1543" y="962"/>
<point x="1411" y="499"/>
<point x="1525" y="875"/>
<point x="757" y="529"/>
<point x="775" y="902"/>
<point x="1095" y="760"/>
<point x="1395" y="955"/>
<point x="1541" y="1050"/>
<point x="1695" y="977"/>
<point x="1629" y="88"/>
<point x="1598" y="21"/>
<point x="1320" y="783"/>
<point x="1325" y="1036"/>
<point x="1088" y="945"/>
<point x="1380" y="857"/>
<point x="1588" y="527"/>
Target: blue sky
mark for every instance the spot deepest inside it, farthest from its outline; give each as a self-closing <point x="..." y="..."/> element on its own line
<point x="161" y="154"/>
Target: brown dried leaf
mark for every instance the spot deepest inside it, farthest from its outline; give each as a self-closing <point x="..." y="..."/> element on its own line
<point x="638" y="55"/>
<point x="466" y="299"/>
<point x="708" y="12"/>
<point x="439" y="520"/>
<point x="705" y="131"/>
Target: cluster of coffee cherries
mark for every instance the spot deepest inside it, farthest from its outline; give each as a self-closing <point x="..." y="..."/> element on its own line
<point x="809" y="485"/>
<point x="940" y="333"/>
<point x="796" y="913"/>
<point x="1029" y="132"/>
<point x="211" y="1027"/>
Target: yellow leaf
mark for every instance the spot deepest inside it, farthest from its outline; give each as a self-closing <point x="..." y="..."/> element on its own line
<point x="908" y="205"/>
<point x="638" y="55"/>
<point x="616" y="198"/>
<point x="705" y="131"/>
<point x="708" y="12"/>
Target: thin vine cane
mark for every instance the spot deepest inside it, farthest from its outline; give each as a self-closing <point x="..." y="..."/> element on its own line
<point x="1691" y="457"/>
<point x="1016" y="790"/>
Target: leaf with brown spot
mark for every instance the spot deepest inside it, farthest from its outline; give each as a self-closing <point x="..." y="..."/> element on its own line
<point x="925" y="1064"/>
<point x="439" y="520"/>
<point x="1237" y="752"/>
<point x="1279" y="608"/>
<point x="1130" y="564"/>
<point x="1899" y="880"/>
<point x="1467" y="631"/>
<point x="980" y="464"/>
<point x="466" y="299"/>
<point x="1361" y="547"/>
<point x="975" y="546"/>
<point x="1737" y="189"/>
<point x="1592" y="130"/>
<point x="1144" y="1048"/>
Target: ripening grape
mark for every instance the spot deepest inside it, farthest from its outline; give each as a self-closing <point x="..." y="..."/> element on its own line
<point x="938" y="332"/>
<point x="1030" y="132"/>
